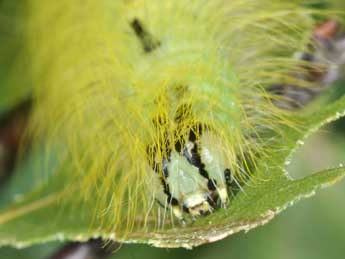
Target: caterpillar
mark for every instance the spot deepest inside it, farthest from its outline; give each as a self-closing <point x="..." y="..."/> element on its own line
<point x="161" y="111"/>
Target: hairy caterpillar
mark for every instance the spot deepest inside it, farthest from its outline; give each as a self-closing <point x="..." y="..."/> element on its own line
<point x="160" y="102"/>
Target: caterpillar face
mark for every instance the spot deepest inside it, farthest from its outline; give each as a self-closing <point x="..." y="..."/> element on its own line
<point x="194" y="177"/>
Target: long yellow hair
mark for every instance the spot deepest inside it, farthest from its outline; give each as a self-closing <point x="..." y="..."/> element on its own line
<point x="101" y="84"/>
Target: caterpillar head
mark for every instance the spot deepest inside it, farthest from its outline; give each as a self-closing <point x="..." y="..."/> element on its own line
<point x="194" y="178"/>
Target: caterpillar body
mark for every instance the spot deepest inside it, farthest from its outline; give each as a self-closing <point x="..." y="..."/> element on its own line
<point x="161" y="110"/>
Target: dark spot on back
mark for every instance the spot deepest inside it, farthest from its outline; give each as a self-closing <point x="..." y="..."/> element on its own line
<point x="148" y="42"/>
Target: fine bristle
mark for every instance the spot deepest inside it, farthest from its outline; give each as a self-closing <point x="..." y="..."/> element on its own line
<point x="113" y="79"/>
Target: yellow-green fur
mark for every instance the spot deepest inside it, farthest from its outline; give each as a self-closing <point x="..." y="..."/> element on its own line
<point x="97" y="92"/>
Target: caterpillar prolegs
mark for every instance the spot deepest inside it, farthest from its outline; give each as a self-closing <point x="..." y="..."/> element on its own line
<point x="161" y="103"/>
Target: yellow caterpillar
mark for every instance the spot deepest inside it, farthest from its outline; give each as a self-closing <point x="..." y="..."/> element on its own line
<point x="159" y="109"/>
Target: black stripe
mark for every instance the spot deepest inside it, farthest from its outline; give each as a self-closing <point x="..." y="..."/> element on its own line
<point x="147" y="40"/>
<point x="195" y="160"/>
<point x="227" y="175"/>
<point x="212" y="185"/>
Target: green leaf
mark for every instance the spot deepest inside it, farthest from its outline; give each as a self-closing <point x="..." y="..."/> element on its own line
<point x="40" y="216"/>
<point x="257" y="205"/>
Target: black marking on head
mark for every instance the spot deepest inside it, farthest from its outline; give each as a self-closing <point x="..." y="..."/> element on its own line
<point x="227" y="175"/>
<point x="188" y="155"/>
<point x="195" y="131"/>
<point x="194" y="159"/>
<point x="203" y="173"/>
<point x="147" y="40"/>
<point x="173" y="201"/>
<point x="192" y="136"/>
<point x="166" y="189"/>
<point x="170" y="199"/>
<point x="165" y="168"/>
<point x="232" y="185"/>
<point x="178" y="145"/>
<point x="212" y="185"/>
